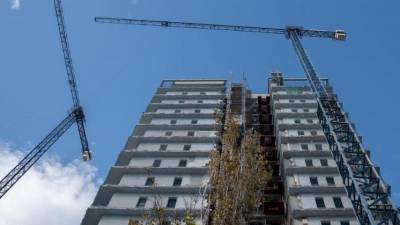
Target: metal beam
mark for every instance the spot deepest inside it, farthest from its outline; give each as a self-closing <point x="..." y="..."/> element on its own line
<point x="35" y="154"/>
<point x="207" y="26"/>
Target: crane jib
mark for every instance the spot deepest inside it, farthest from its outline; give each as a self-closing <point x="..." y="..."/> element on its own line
<point x="336" y="35"/>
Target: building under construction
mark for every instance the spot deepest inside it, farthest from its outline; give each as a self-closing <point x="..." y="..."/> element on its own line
<point x="295" y="156"/>
<point x="307" y="163"/>
<point x="166" y="159"/>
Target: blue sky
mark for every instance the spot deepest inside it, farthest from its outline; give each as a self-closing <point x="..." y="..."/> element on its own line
<point x="118" y="67"/>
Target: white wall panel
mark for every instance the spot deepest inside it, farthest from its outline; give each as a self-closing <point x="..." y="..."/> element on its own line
<point x="297" y="146"/>
<point x="317" y="220"/>
<point x="182" y="121"/>
<point x="175" y="146"/>
<point x="169" y="162"/>
<point x="188" y="110"/>
<point x="162" y="180"/>
<point x="193" y="92"/>
<point x="307" y="201"/>
<point x="191" y="101"/>
<point x="125" y="200"/>
<point x="304" y="179"/>
<point x="179" y="133"/>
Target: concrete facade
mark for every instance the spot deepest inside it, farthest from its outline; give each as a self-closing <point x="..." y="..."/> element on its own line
<point x="166" y="157"/>
<point x="314" y="190"/>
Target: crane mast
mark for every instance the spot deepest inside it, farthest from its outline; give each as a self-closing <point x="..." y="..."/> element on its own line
<point x="365" y="187"/>
<point x="80" y="116"/>
<point x="75" y="116"/>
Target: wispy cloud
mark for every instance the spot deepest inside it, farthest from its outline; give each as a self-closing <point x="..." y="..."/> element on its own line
<point x="50" y="193"/>
<point x="15" y="4"/>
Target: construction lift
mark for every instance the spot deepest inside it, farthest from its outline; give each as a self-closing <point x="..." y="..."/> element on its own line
<point x="365" y="187"/>
<point x="76" y="115"/>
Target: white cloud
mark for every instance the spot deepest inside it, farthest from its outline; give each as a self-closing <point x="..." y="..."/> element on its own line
<point x="49" y="193"/>
<point x="15" y="4"/>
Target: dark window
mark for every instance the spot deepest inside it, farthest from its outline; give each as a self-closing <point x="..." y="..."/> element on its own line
<point x="300" y="133"/>
<point x="294" y="110"/>
<point x="184" y="93"/>
<point x="157" y="163"/>
<point x="320" y="202"/>
<point x="149" y="181"/>
<point x="325" y="222"/>
<point x="310" y="121"/>
<point x="168" y="133"/>
<point x="318" y="147"/>
<point x="186" y="147"/>
<point x="173" y="122"/>
<point x="197" y="110"/>
<point x="314" y="181"/>
<point x="344" y="222"/>
<point x="309" y="163"/>
<point x="304" y="146"/>
<point x="177" y="181"/>
<point x="190" y="133"/>
<point x="313" y="133"/>
<point x="291" y="100"/>
<point x="141" y="202"/>
<point x="302" y="100"/>
<point x="297" y="121"/>
<point x="306" y="110"/>
<point x="171" y="202"/>
<point x="163" y="147"/>
<point x="338" y="202"/>
<point x="193" y="122"/>
<point x="202" y="93"/>
<point x="330" y="181"/>
<point x="199" y="101"/>
<point x="182" y="163"/>
<point x="177" y="111"/>
<point x="324" y="162"/>
<point x="181" y="101"/>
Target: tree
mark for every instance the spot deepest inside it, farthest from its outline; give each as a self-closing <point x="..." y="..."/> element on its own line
<point x="237" y="174"/>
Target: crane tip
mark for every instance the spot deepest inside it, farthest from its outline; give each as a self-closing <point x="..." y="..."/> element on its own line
<point x="86" y="155"/>
<point x="340" y="35"/>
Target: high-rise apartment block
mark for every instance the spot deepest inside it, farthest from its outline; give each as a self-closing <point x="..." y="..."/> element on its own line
<point x="165" y="160"/>
<point x="314" y="191"/>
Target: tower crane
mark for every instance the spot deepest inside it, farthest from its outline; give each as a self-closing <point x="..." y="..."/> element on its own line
<point x="76" y="115"/>
<point x="365" y="187"/>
